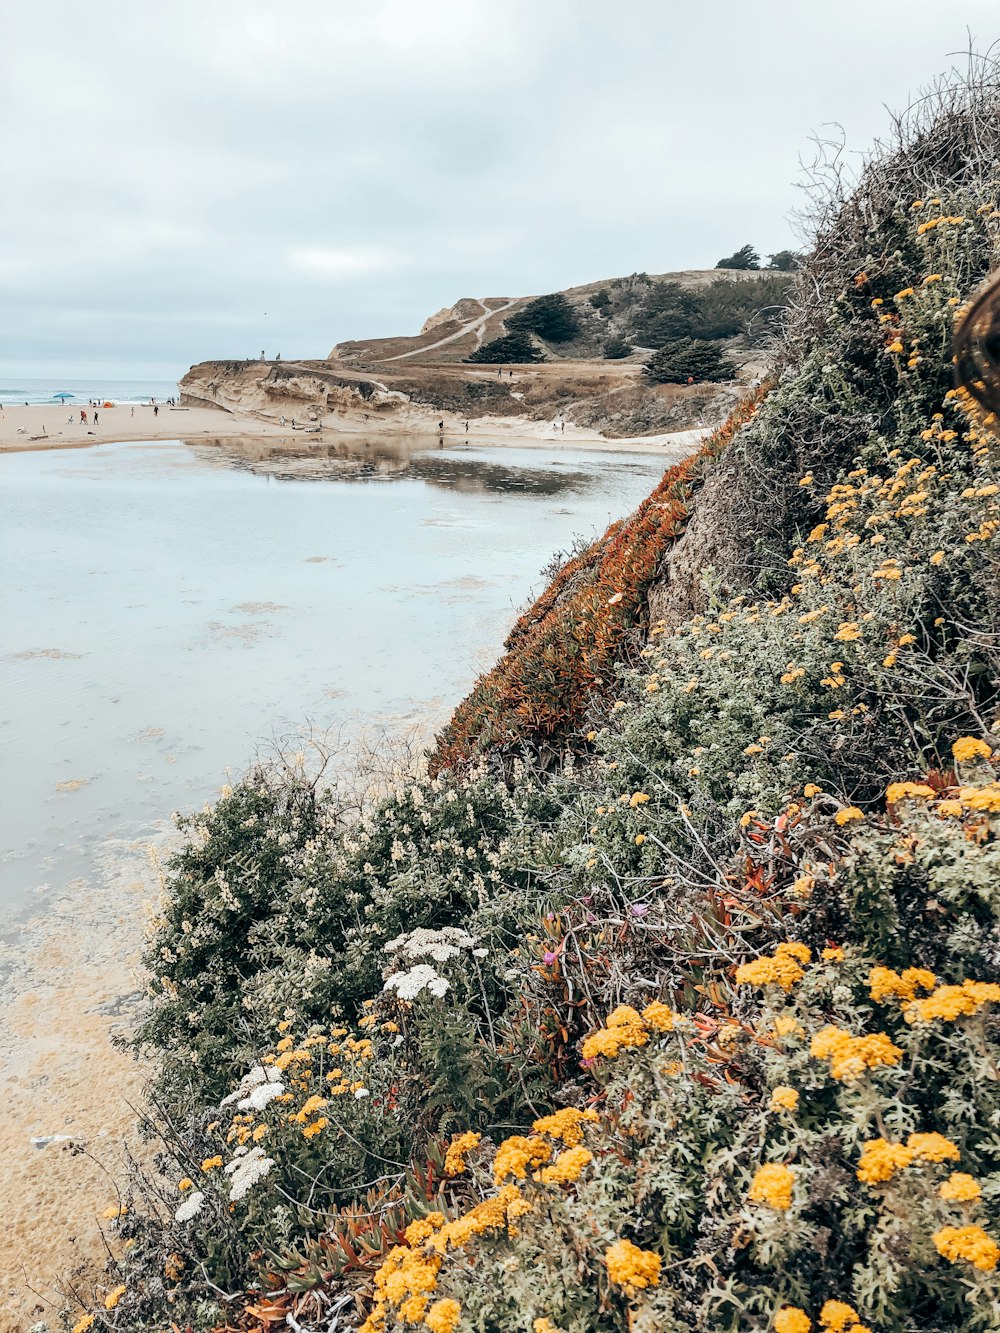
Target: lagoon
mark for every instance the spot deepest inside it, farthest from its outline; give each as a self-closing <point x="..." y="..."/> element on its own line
<point x="170" y="610"/>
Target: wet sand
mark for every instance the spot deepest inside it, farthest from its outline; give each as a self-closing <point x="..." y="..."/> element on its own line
<point x="49" y="427"/>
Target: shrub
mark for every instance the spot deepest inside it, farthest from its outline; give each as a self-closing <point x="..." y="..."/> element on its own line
<point x="551" y="317"/>
<point x="689" y="359"/>
<point x="517" y="348"/>
<point x="616" y="348"/>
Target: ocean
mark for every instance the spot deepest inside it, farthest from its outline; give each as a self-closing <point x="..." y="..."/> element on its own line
<point x="40" y="392"/>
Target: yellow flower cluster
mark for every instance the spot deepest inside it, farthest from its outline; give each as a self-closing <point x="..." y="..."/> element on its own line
<point x="969" y="1244"/>
<point x="880" y="1159"/>
<point x="566" y="1168"/>
<point x="885" y="984"/>
<point x="409" y="1274"/>
<point x="566" y="1124"/>
<point x="518" y="1155"/>
<point x="782" y="969"/>
<point x="772" y="1185"/>
<point x="969" y="747"/>
<point x="543" y="1326"/>
<point x="458" y="1150"/>
<point x="960" y="1188"/>
<point x="625" y="1027"/>
<point x="839" y="1317"/>
<point x="908" y="791"/>
<point x="849" y="1056"/>
<point x="951" y="1002"/>
<point x="790" y="1319"/>
<point x="630" y="1267"/>
<point x="848" y="816"/>
<point x="784" y="1099"/>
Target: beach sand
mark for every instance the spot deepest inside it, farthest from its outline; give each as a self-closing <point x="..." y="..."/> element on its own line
<point x="24" y="428"/>
<point x="73" y="984"/>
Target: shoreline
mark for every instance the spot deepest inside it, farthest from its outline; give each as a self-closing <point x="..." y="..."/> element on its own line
<point x="27" y="430"/>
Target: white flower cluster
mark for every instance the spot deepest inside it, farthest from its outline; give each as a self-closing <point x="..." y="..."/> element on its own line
<point x="257" y="1088"/>
<point x="245" y="1170"/>
<point x="408" y="985"/>
<point x="437" y="944"/>
<point x="191" y="1206"/>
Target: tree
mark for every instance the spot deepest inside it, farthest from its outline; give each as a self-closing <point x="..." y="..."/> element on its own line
<point x="601" y="300"/>
<point x="551" y="317"/>
<point x="615" y="348"/>
<point x="785" y="261"/>
<point x="516" y="348"/>
<point x="665" y="314"/>
<point x="745" y="257"/>
<point x="689" y="358"/>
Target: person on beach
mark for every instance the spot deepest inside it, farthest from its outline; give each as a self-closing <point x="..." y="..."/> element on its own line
<point x="441" y="427"/>
<point x="83" y="416"/>
<point x="95" y="418"/>
<point x="156" y="409"/>
<point x="132" y="412"/>
<point x="466" y="428"/>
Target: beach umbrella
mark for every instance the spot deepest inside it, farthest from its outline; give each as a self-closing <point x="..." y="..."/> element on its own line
<point x="63" y="396"/>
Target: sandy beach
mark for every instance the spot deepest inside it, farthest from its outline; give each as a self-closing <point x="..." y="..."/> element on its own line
<point x="49" y="427"/>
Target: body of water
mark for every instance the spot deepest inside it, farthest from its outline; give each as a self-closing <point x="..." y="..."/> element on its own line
<point x="169" y="609"/>
<point x="39" y="392"/>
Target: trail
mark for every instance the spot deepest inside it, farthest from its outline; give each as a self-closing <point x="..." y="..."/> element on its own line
<point x="476" y="326"/>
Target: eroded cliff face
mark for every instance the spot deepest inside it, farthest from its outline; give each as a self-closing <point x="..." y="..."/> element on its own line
<point x="272" y="389"/>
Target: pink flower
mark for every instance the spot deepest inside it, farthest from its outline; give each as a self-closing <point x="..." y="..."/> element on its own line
<point x="549" y="956"/>
<point x="640" y="909"/>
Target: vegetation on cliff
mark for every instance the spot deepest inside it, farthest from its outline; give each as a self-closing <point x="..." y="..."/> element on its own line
<point x="697" y="1027"/>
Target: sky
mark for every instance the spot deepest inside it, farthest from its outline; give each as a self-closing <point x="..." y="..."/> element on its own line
<point x="198" y="179"/>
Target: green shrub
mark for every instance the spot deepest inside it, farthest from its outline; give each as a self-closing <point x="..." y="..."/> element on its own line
<point x="517" y="348"/>
<point x="551" y="317"/>
<point x="688" y="358"/>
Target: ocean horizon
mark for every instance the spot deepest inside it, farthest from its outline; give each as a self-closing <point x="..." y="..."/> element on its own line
<point x="39" y="392"/>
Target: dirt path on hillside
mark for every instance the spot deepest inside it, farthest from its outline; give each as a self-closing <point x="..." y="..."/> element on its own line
<point x="476" y="326"/>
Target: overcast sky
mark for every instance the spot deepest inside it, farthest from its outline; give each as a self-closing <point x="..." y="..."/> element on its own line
<point x="203" y="178"/>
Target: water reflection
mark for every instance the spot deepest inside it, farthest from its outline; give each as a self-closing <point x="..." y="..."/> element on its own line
<point x="364" y="460"/>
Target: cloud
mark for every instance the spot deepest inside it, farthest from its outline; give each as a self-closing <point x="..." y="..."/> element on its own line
<point x="337" y="265"/>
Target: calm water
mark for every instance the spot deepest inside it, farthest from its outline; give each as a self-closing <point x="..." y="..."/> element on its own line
<point x="168" y="610"/>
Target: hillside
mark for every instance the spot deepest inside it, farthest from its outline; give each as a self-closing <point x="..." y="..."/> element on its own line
<point x="409" y="384"/>
<point x="667" y="999"/>
<point x="604" y="309"/>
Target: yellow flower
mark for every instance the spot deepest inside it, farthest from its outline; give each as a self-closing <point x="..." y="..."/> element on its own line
<point x="638" y="798"/>
<point x="932" y="1148"/>
<point x="937" y="557"/>
<point x="833" y="954"/>
<point x="809" y="790"/>
<point x="210" y="1163"/>
<point x="591" y="735"/>
<point x="566" y="1168"/>
<point x="772" y="1185"/>
<point x="838" y="1316"/>
<point x="880" y="1160"/>
<point x="969" y="1243"/>
<point x="113" y="1297"/>
<point x="517" y="1155"/>
<point x="83" y="1324"/>
<point x="959" y="1188"/>
<point x="849" y="1056"/>
<point x="790" y="1319"/>
<point x="781" y="969"/>
<point x="659" y="1016"/>
<point x="784" y="1099"/>
<point x="886" y="984"/>
<point x="185" y="1184"/>
<point x="458" y="1150"/>
<point x="544" y="1326"/>
<point x="630" y="1267"/>
<point x="443" y="1316"/>
<point x="119" y="1210"/>
<point x="746" y="817"/>
<point x="847" y="815"/>
<point x="566" y="1124"/>
<point x="952" y="1002"/>
<point x="968" y="747"/>
<point x="640" y="838"/>
<point x="901" y="791"/>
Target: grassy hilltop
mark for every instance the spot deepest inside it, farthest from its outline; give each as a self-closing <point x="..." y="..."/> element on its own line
<point x="667" y="997"/>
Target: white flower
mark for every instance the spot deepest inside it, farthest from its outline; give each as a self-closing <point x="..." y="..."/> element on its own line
<point x="361" y="1092"/>
<point x="245" y="1171"/>
<point x="191" y="1206"/>
<point x="437" y="944"/>
<point x="408" y="985"/>
<point x="258" y="1086"/>
<point x="480" y="953"/>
